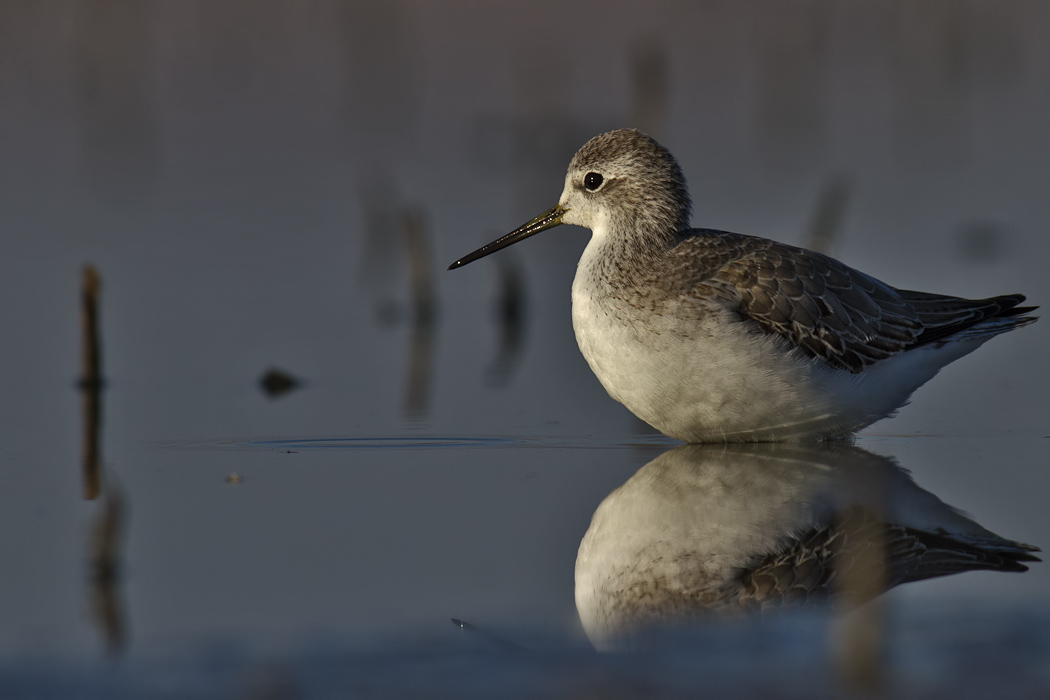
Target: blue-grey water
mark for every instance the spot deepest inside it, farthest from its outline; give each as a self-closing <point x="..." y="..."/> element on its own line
<point x="274" y="185"/>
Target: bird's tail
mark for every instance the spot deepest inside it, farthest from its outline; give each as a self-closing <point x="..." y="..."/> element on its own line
<point x="949" y="319"/>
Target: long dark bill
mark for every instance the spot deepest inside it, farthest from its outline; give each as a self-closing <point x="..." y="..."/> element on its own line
<point x="546" y="220"/>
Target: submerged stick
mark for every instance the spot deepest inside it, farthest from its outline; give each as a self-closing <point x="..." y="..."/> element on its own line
<point x="107" y="535"/>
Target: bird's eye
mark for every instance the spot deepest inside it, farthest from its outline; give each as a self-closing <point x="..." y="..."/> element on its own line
<point x="592" y="181"/>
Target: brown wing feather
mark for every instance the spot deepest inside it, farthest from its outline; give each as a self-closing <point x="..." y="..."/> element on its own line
<point x="833" y="312"/>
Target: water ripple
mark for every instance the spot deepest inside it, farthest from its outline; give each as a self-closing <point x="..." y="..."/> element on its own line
<point x="421" y="442"/>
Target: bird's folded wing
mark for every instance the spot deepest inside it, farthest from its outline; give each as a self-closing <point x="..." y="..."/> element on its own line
<point x="825" y="308"/>
<point x="830" y="311"/>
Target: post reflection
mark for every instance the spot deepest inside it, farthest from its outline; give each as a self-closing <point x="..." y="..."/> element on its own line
<point x="107" y="533"/>
<point x="708" y="530"/>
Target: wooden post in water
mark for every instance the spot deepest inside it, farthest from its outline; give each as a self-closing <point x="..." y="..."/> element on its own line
<point x="91" y="382"/>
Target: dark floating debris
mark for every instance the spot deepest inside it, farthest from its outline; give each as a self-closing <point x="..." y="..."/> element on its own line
<point x="276" y="383"/>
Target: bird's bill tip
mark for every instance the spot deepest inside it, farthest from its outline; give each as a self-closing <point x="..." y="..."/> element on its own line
<point x="548" y="219"/>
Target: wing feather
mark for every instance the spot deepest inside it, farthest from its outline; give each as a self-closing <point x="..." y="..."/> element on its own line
<point x="827" y="309"/>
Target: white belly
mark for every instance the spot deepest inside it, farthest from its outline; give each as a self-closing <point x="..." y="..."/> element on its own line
<point x="717" y="379"/>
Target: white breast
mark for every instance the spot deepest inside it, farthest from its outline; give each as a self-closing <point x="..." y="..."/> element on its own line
<point x="703" y="377"/>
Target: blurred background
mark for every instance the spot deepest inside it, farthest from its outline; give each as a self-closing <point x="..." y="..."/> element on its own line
<point x="301" y="430"/>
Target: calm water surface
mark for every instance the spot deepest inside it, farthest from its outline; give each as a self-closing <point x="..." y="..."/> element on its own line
<point x="286" y="193"/>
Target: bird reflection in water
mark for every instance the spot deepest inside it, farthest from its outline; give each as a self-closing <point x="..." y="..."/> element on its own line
<point x="707" y="530"/>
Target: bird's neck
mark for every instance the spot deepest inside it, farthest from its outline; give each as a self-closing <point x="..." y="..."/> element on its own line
<point x="617" y="261"/>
